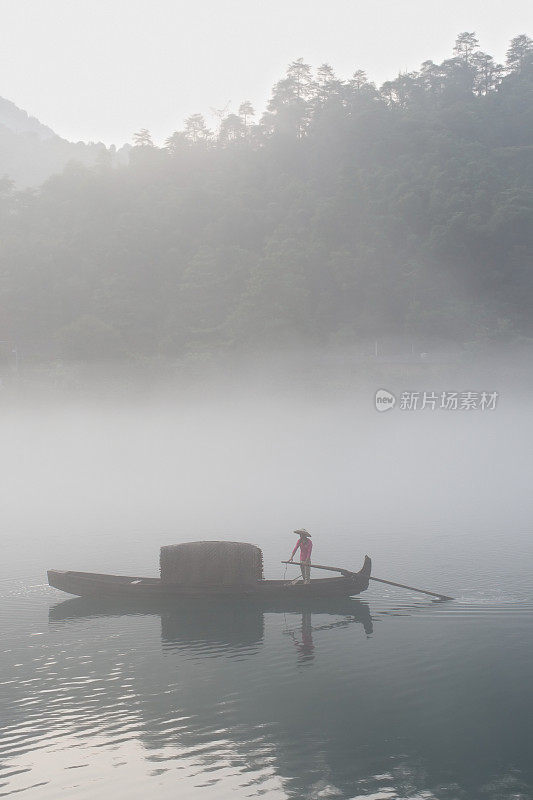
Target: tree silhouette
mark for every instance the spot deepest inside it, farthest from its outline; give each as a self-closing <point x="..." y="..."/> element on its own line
<point x="288" y="110"/>
<point x="232" y="128"/>
<point x="176" y="142"/>
<point x="432" y="77"/>
<point x="246" y="110"/>
<point x="520" y="53"/>
<point x="301" y="78"/>
<point x="196" y="130"/>
<point x="143" y="138"/>
<point x="465" y="46"/>
<point x="359" y="80"/>
<point x="326" y="84"/>
<point x="488" y="73"/>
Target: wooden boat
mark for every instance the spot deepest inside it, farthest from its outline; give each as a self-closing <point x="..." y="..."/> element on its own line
<point x="93" y="584"/>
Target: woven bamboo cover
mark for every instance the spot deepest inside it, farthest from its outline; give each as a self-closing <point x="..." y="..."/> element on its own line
<point x="207" y="563"/>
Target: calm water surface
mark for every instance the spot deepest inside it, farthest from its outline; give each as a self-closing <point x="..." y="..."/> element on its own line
<point x="386" y="696"/>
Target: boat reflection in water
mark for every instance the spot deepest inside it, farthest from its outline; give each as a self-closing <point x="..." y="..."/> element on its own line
<point x="224" y="625"/>
<point x="216" y="691"/>
<point x="297" y="702"/>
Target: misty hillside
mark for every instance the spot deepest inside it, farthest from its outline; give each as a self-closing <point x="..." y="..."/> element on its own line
<point x="19" y="121"/>
<point x="344" y="212"/>
<point x="30" y="152"/>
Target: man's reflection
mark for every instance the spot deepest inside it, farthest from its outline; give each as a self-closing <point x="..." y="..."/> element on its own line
<point x="303" y="640"/>
<point x="304" y="644"/>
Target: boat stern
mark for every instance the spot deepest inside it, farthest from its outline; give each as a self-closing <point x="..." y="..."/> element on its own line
<point x="361" y="579"/>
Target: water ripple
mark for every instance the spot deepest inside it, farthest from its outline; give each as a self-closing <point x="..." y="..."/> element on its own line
<point x="278" y="705"/>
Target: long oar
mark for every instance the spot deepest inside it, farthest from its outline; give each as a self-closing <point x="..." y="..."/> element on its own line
<point x="349" y="573"/>
<point x="412" y="588"/>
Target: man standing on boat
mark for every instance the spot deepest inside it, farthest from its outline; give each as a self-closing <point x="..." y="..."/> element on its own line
<point x="306" y="545"/>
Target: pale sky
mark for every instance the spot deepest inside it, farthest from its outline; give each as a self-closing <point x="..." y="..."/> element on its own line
<point x="98" y="70"/>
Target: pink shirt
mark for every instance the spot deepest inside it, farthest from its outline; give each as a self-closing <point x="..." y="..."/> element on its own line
<point x="305" y="545"/>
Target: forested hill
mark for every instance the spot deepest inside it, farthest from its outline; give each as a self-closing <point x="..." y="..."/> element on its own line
<point x="345" y="212"/>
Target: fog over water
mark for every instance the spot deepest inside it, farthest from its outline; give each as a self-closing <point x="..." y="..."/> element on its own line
<point x="252" y="456"/>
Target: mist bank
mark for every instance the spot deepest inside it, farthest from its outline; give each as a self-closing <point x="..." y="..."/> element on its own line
<point x="97" y="482"/>
<point x="347" y="213"/>
<point x="323" y="374"/>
